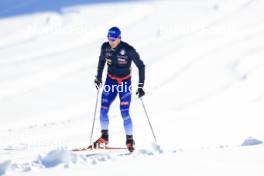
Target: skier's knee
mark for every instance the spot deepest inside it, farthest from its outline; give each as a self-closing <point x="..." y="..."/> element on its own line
<point x="103" y="115"/>
<point x="104" y="110"/>
<point x="125" y="114"/>
<point x="126" y="118"/>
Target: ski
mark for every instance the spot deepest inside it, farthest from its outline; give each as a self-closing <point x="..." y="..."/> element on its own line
<point x="90" y="148"/>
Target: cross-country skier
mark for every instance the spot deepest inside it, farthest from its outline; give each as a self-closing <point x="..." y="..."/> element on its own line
<point x="118" y="55"/>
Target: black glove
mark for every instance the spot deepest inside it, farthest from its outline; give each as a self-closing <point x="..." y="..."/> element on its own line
<point x="98" y="82"/>
<point x="140" y="92"/>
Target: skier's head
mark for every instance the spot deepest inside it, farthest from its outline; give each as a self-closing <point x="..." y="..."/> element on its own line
<point x="114" y="33"/>
<point x="114" y="36"/>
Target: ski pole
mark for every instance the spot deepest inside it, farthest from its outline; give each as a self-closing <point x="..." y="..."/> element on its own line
<point x="95" y="109"/>
<point x="148" y="120"/>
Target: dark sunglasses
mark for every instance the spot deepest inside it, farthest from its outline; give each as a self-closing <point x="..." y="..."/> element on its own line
<point x="112" y="39"/>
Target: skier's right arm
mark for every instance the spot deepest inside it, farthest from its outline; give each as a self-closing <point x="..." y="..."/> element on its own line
<point x="101" y="64"/>
<point x="100" y="68"/>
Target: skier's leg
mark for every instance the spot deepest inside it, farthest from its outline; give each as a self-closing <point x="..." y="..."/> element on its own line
<point x="125" y="99"/>
<point x="108" y="96"/>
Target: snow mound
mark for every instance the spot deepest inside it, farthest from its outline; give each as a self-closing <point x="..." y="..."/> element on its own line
<point x="4" y="166"/>
<point x="56" y="157"/>
<point x="157" y="148"/>
<point x="153" y="150"/>
<point x="251" y="141"/>
<point x="67" y="158"/>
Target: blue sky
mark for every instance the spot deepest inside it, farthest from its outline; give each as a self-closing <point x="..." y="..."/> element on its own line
<point x="10" y="8"/>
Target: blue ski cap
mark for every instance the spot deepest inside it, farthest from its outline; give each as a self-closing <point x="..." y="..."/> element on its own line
<point x="114" y="33"/>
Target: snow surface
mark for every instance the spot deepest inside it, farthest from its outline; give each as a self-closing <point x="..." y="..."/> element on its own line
<point x="204" y="66"/>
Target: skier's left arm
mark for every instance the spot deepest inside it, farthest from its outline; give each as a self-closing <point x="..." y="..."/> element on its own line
<point x="141" y="69"/>
<point x="140" y="65"/>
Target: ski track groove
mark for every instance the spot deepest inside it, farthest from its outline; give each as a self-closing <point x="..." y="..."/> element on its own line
<point x="198" y="59"/>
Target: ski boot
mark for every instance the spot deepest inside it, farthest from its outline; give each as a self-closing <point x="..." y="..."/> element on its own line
<point x="102" y="141"/>
<point x="130" y="143"/>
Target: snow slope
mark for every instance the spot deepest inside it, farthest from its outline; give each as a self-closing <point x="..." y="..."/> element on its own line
<point x="203" y="81"/>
